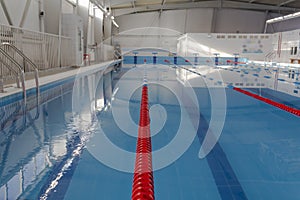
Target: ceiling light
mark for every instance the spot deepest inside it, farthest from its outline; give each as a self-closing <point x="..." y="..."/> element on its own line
<point x="286" y="17"/>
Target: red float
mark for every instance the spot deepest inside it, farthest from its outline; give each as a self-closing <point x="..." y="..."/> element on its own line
<point x="143" y="185"/>
<point x="269" y="101"/>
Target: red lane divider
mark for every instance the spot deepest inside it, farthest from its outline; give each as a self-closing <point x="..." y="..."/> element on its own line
<point x="143" y="185"/>
<point x="269" y="101"/>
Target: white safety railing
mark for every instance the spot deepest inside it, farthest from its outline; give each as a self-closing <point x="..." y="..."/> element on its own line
<point x="41" y="48"/>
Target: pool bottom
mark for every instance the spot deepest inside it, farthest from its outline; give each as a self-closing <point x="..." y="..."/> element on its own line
<point x="238" y="162"/>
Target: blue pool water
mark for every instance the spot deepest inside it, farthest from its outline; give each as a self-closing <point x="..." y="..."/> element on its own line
<point x="57" y="154"/>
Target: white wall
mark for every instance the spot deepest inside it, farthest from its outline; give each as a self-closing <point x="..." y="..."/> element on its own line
<point x="152" y="30"/>
<point x="107" y="29"/>
<point x="242" y="21"/>
<point x="67" y="8"/>
<point x="52" y="13"/>
<point x="83" y="13"/>
<point x="148" y="37"/>
<point x="3" y="19"/>
<point x="16" y="8"/>
<point x="282" y="44"/>
<point x="288" y="25"/>
<point x="32" y="19"/>
<point x="98" y="30"/>
<point x="197" y="21"/>
<point x="251" y="46"/>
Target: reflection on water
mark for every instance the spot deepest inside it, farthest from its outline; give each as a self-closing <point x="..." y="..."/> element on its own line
<point x="31" y="144"/>
<point x="38" y="144"/>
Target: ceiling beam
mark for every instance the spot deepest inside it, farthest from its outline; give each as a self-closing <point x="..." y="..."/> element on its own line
<point x="25" y="12"/>
<point x="286" y="2"/>
<point x="71" y="3"/>
<point x="133" y="5"/>
<point x="99" y="5"/>
<point x="6" y="13"/>
<point x="202" y="4"/>
<point x="162" y="6"/>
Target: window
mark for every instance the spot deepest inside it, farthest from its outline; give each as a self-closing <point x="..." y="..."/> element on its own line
<point x="295" y="50"/>
<point x="292" y="50"/>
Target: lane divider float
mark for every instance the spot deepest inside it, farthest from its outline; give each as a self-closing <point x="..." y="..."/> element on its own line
<point x="143" y="184"/>
<point x="271" y="102"/>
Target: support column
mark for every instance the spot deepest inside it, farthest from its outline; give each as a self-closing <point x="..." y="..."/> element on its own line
<point x="41" y="16"/>
<point x="59" y="34"/>
<point x="214" y="20"/>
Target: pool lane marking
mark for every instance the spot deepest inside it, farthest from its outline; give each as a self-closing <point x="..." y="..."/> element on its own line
<point x="270" y="102"/>
<point x="143" y="185"/>
<point x="226" y="181"/>
<point x="224" y="176"/>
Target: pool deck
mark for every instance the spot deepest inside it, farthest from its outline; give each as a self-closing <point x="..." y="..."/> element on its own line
<point x="56" y="75"/>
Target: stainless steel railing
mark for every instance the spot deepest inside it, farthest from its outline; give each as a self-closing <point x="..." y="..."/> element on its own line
<point x="26" y="61"/>
<point x="16" y="68"/>
<point x="41" y="48"/>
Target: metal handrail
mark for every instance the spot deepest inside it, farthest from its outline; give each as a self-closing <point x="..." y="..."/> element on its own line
<point x="15" y="72"/>
<point x="117" y="54"/>
<point x="25" y="58"/>
<point x="19" y="67"/>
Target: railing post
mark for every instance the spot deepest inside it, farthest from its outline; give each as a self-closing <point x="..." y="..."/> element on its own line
<point x="24" y="65"/>
<point x="59" y="34"/>
<point x="1" y="84"/>
<point x="1" y="80"/>
<point x="18" y="82"/>
<point x="23" y="87"/>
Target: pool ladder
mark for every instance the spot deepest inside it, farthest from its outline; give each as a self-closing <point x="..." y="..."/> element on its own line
<point x="17" y="70"/>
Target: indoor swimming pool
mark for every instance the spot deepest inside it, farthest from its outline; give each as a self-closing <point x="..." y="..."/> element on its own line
<point x="80" y="142"/>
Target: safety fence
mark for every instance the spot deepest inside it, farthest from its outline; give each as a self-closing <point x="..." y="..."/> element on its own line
<point x="47" y="51"/>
